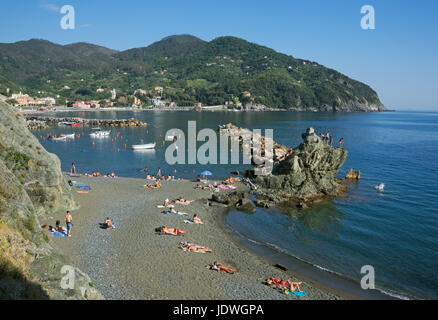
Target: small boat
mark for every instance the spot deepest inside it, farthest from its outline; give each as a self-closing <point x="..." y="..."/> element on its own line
<point x="77" y="124"/>
<point x="65" y="123"/>
<point x="69" y="136"/>
<point x="143" y="146"/>
<point x="100" y="134"/>
<point x="61" y="138"/>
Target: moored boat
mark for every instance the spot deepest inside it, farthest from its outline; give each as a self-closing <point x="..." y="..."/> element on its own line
<point x="100" y="134"/>
<point x="143" y="146"/>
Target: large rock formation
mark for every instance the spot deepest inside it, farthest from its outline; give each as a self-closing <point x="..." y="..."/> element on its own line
<point x="31" y="185"/>
<point x="38" y="171"/>
<point x="306" y="174"/>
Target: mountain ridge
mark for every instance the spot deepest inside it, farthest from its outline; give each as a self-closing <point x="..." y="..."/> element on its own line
<point x="191" y="69"/>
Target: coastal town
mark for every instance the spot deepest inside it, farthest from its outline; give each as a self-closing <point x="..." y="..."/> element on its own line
<point x="140" y="99"/>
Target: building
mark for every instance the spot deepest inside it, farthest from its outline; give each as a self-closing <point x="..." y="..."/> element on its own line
<point x="137" y="101"/>
<point x="81" y="105"/>
<point x="48" y="101"/>
<point x="94" y="104"/>
<point x="173" y="105"/>
<point x="157" y="102"/>
<point x="22" y="99"/>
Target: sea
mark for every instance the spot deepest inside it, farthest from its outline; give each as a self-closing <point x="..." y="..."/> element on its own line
<point x="387" y="240"/>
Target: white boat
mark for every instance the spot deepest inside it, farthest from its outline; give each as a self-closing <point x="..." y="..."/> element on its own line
<point x="69" y="136"/>
<point x="65" y="123"/>
<point x="61" y="138"/>
<point x="100" y="134"/>
<point x="143" y="146"/>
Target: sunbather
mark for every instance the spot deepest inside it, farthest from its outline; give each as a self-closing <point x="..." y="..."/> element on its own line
<point x="173" y="211"/>
<point x="182" y="201"/>
<point x="220" y="267"/>
<point x="194" y="247"/>
<point x="170" y="231"/>
<point x="284" y="285"/>
<point x="197" y="220"/>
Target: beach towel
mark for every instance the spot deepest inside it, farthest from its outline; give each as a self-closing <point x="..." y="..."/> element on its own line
<point x="83" y="191"/>
<point x="77" y="183"/>
<point x="162" y="206"/>
<point x="296" y="292"/>
<point x="223" y="187"/>
<point x="188" y="221"/>
<point x="83" y="187"/>
<point x="173" y="214"/>
<point x="74" y="175"/>
<point x="58" y="234"/>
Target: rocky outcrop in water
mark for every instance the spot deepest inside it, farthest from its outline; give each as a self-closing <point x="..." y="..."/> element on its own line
<point x="238" y="200"/>
<point x="352" y="174"/>
<point x="306" y="175"/>
<point x="31" y="186"/>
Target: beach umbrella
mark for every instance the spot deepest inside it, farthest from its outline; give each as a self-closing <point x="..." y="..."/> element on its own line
<point x="206" y="173"/>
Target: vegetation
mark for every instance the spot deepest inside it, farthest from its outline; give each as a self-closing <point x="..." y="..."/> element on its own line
<point x="189" y="69"/>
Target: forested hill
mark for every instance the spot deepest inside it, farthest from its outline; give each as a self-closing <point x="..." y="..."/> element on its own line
<point x="189" y="69"/>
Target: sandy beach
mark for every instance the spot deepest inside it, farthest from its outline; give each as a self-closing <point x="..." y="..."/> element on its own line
<point x="132" y="262"/>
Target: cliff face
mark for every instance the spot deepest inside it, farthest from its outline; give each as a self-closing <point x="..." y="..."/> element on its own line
<point x="306" y="174"/>
<point x="38" y="171"/>
<point x="31" y="185"/>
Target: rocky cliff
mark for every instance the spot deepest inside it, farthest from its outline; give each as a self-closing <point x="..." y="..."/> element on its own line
<point x="31" y="186"/>
<point x="305" y="175"/>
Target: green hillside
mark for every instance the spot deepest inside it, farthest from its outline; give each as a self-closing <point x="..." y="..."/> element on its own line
<point x="189" y="69"/>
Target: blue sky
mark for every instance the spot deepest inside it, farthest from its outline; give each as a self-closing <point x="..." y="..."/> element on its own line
<point x="398" y="59"/>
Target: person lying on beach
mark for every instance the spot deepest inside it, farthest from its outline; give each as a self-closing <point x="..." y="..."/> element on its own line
<point x="182" y="201"/>
<point x="187" y="246"/>
<point x="196" y="219"/>
<point x="170" y="231"/>
<point x="173" y="211"/>
<point x="230" y="180"/>
<point x="284" y="285"/>
<point x="96" y="174"/>
<point x="220" y="267"/>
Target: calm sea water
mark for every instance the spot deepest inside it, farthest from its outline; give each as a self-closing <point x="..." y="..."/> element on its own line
<point x="395" y="231"/>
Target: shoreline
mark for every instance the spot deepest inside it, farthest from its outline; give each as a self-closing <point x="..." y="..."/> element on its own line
<point x="132" y="262"/>
<point x="207" y="108"/>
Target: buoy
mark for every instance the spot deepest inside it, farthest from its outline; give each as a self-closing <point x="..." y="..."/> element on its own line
<point x="125" y="145"/>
